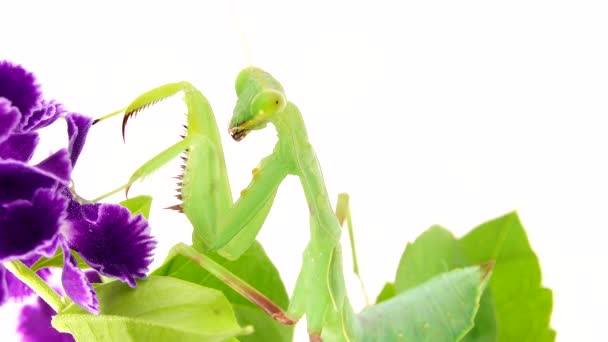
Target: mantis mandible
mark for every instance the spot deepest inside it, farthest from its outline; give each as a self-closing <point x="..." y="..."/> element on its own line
<point x="230" y="228"/>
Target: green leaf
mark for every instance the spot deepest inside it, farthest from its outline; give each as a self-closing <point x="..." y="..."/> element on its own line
<point x="254" y="267"/>
<point x="434" y="252"/>
<point x="441" y="309"/>
<point x="138" y="205"/>
<point x="388" y="292"/>
<point x="514" y="307"/>
<point x="159" y="309"/>
<point x="265" y="328"/>
<point x="523" y="306"/>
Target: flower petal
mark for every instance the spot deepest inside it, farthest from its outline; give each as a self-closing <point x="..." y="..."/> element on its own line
<point x="78" y="127"/>
<point x="75" y="283"/>
<point x="19" y="86"/>
<point x="9" y="116"/>
<point x="35" y="324"/>
<point x="19" y="146"/>
<point x="28" y="227"/>
<point x="46" y="114"/>
<point x="49" y="251"/>
<point x="20" y="181"/>
<point x="57" y="165"/>
<point x="15" y="288"/>
<point x="77" y="211"/>
<point x="94" y="277"/>
<point x="116" y="244"/>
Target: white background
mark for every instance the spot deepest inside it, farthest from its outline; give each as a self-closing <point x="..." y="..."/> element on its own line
<point x="446" y="113"/>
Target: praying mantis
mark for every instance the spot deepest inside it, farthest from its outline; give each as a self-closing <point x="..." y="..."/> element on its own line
<point x="230" y="228"/>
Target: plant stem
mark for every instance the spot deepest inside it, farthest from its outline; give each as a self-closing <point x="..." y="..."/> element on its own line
<point x="31" y="279"/>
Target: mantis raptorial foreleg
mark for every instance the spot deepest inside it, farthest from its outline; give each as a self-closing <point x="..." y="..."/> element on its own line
<point x="151" y="165"/>
<point x="204" y="187"/>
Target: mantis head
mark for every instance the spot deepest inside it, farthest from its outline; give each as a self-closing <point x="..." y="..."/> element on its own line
<point x="260" y="98"/>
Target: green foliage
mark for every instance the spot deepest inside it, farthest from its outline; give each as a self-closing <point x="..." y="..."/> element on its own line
<point x="138" y="205"/>
<point x="159" y="309"/>
<point x="434" y="252"/>
<point x="255" y="268"/>
<point x="523" y="306"/>
<point x="388" y="292"/>
<point x="441" y="309"/>
<point x="514" y="307"/>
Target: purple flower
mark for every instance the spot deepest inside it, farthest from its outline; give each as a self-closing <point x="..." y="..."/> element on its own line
<point x="37" y="211"/>
<point x="112" y="241"/>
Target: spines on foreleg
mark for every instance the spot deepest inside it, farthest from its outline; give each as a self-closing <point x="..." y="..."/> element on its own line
<point x="150" y="98"/>
<point x="180" y="179"/>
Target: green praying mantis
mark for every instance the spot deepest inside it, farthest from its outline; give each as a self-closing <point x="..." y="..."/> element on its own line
<point x="230" y="228"/>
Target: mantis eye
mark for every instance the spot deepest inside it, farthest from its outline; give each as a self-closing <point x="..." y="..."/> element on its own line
<point x="267" y="103"/>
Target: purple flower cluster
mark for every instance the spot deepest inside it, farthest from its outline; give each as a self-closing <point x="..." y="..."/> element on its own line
<point x="38" y="213"/>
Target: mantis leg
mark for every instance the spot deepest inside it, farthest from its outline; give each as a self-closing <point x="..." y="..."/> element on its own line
<point x="241" y="223"/>
<point x="247" y="230"/>
<point x="230" y="279"/>
<point x="320" y="293"/>
<point x="150" y="166"/>
<point x="343" y="213"/>
<point x="320" y="272"/>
